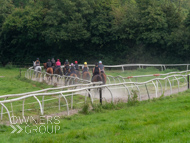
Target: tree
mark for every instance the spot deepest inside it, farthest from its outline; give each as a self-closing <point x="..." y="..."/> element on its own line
<point x="21" y="34"/>
<point x="6" y="8"/>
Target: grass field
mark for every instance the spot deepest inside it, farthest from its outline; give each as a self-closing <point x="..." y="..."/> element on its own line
<point x="12" y="83"/>
<point x="147" y="71"/>
<point x="159" y="120"/>
<point x="165" y="119"/>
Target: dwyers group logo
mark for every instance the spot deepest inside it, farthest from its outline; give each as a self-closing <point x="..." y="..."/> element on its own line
<point x="42" y="124"/>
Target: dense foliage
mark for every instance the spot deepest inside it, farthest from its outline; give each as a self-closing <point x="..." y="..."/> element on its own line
<point x="114" y="31"/>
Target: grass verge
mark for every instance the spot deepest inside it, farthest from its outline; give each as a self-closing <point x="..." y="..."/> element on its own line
<point x="164" y="119"/>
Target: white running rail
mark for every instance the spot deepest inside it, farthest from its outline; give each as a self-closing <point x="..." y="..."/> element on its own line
<point x="157" y="85"/>
<point x="163" y="66"/>
<point x="53" y="78"/>
<point x="116" y="79"/>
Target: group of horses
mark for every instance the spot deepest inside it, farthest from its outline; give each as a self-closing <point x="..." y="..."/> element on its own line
<point x="66" y="71"/>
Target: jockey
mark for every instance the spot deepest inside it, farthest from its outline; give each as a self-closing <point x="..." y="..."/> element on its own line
<point x="101" y="66"/>
<point x="36" y="65"/>
<point x="49" y="64"/>
<point x="76" y="65"/>
<point x="72" y="69"/>
<point x="66" y="62"/>
<point x="37" y="62"/>
<point x="66" y="67"/>
<point x="85" y="67"/>
<point x="58" y="63"/>
<point x="53" y="62"/>
<point x="96" y="70"/>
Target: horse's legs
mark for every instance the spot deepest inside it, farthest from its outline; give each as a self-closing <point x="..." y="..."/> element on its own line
<point x="53" y="69"/>
<point x="60" y="71"/>
<point x="38" y="70"/>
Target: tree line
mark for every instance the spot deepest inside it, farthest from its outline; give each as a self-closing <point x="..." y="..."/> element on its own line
<point x="114" y="31"/>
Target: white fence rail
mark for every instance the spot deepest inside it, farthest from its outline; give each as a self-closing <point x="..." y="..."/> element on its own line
<point x="162" y="66"/>
<point x="68" y="80"/>
<point x="116" y="79"/>
<point x="122" y="66"/>
<point x="146" y="90"/>
<point x="53" y="78"/>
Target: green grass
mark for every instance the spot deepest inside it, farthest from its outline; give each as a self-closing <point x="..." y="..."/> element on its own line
<point x="159" y="120"/>
<point x="11" y="83"/>
<point x="165" y="119"/>
<point x="147" y="71"/>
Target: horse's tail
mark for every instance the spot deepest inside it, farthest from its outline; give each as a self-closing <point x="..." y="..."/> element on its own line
<point x="39" y="68"/>
<point x="64" y="71"/>
<point x="99" y="78"/>
<point x="60" y="72"/>
<point x="87" y="75"/>
<point x="78" y="73"/>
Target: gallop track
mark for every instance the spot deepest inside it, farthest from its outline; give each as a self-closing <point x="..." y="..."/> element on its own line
<point x="117" y="88"/>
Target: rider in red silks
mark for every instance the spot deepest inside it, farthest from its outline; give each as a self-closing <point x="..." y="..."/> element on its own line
<point x="58" y="63"/>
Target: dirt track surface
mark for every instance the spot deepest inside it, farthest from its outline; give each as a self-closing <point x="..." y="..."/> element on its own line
<point x="119" y="97"/>
<point x="120" y="94"/>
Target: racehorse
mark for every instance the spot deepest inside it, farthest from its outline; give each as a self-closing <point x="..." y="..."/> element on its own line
<point x="48" y="70"/>
<point x="36" y="69"/>
<point x="58" y="71"/>
<point x="86" y="75"/>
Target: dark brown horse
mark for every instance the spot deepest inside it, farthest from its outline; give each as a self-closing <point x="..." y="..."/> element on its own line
<point x="58" y="71"/>
<point x="86" y="75"/>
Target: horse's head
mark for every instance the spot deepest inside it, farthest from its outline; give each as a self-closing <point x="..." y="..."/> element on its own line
<point x="45" y="65"/>
<point x="34" y="64"/>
